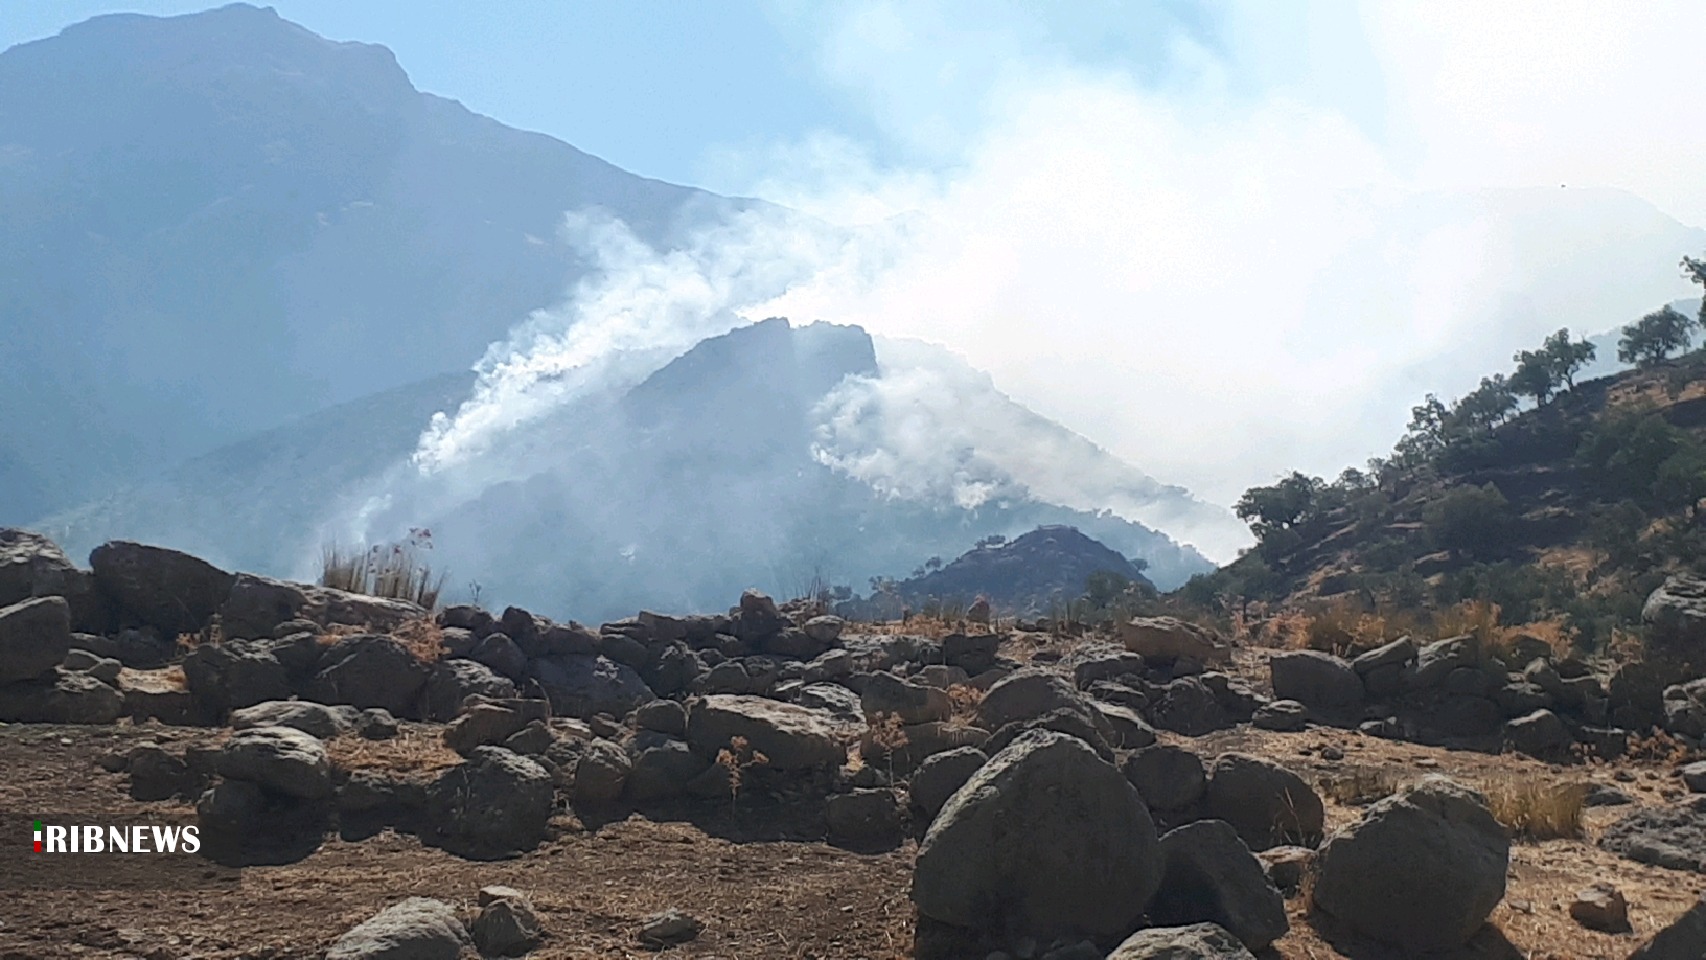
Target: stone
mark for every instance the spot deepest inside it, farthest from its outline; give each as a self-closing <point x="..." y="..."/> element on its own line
<point x="501" y="654"/>
<point x="791" y="737"/>
<point x="1187" y="706"/>
<point x="414" y="929"/>
<point x="840" y="702"/>
<point x="599" y="769"/>
<point x="940" y="776"/>
<point x="255" y="605"/>
<point x="1395" y="654"/>
<point x="1267" y="804"/>
<point x="584" y="686"/>
<point x="1026" y="694"/>
<point x="669" y="928"/>
<point x="1199" y="941"/>
<point x="171" y="591"/>
<point x="281" y="759"/>
<point x="35" y="636"/>
<point x="1286" y="866"/>
<point x="31" y="565"/>
<point x="1434" y="661"/>
<point x="973" y="653"/>
<point x="1601" y="907"/>
<point x="490" y="724"/>
<point x="662" y="716"/>
<point x="312" y="718"/>
<point x="1129" y="731"/>
<point x="1086" y="861"/>
<point x="1542" y="735"/>
<point x="235" y="674"/>
<point x="63" y="696"/>
<point x="1210" y="875"/>
<point x="1168" y="638"/>
<point x="1684" y="939"/>
<point x="453" y="681"/>
<point x="161" y="694"/>
<point x="1288" y="716"/>
<point x="1168" y="777"/>
<point x="885" y="693"/>
<point x="1318" y="680"/>
<point x="507" y="925"/>
<point x="863" y="820"/>
<point x="1423" y="869"/>
<point x="662" y="767"/>
<point x="1675" y="613"/>
<point x="1672" y="836"/>
<point x="1069" y="721"/>
<point x="495" y="803"/>
<point x="372" y="670"/>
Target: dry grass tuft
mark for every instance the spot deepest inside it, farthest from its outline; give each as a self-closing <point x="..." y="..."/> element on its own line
<point x="965" y="699"/>
<point x="1359" y="786"/>
<point x="1536" y="810"/>
<point x="424" y="639"/>
<point x="411" y="751"/>
<point x="395" y="571"/>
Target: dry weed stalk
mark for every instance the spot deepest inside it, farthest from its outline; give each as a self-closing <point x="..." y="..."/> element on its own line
<point x="737" y="758"/>
<point x="1534" y="810"/>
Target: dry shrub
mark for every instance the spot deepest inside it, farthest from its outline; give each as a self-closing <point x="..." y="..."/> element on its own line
<point x="965" y="699"/>
<point x="1474" y="618"/>
<point x="423" y="637"/>
<point x="1537" y="810"/>
<point x="395" y="571"/>
<point x="1552" y="631"/>
<point x="736" y="759"/>
<point x="411" y="751"/>
<point x="1359" y="786"/>
<point x="1338" y="626"/>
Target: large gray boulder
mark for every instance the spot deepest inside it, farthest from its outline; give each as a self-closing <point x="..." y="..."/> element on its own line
<point x="35" y="636"/>
<point x="1684" y="939"/>
<point x="1169" y="638"/>
<point x="235" y="674"/>
<point x="790" y="737"/>
<point x="1541" y="734"/>
<point x="496" y="803"/>
<point x="254" y="605"/>
<point x="1027" y="694"/>
<point x="168" y="590"/>
<point x="885" y="693"/>
<point x="1267" y="804"/>
<point x="1209" y="875"/>
<point x="63" y="696"/>
<point x="584" y="686"/>
<point x="1188" y="706"/>
<point x="371" y="670"/>
<point x="315" y="719"/>
<point x="1675" y="613"/>
<point x="31" y="565"/>
<point x="1317" y="680"/>
<point x="941" y="776"/>
<point x="1168" y="777"/>
<point x="1423" y="869"/>
<point x="282" y="760"/>
<point x="1199" y="941"/>
<point x="415" y="929"/>
<point x="1045" y="840"/>
<point x="453" y="681"/>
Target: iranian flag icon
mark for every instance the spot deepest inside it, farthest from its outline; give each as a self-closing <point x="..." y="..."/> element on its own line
<point x="38" y="836"/>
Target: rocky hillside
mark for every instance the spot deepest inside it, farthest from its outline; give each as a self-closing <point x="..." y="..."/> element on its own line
<point x="1573" y="509"/>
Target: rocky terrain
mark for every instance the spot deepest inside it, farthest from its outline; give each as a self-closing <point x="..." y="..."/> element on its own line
<point x="381" y="781"/>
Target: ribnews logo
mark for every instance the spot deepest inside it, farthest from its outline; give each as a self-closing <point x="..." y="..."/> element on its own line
<point x="128" y="838"/>
<point x="94" y="852"/>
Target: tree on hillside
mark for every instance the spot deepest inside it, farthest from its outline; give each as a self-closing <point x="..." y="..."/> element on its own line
<point x="1483" y="408"/>
<point x="1281" y="506"/>
<point x="1425" y="435"/>
<point x="1655" y="336"/>
<point x="1695" y="271"/>
<point x="1541" y="373"/>
<point x="1470" y="521"/>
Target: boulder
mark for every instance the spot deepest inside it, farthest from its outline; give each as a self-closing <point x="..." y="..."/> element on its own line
<point x="940" y="776"/>
<point x="1168" y="638"/>
<point x="885" y="693"/>
<point x="662" y="767"/>
<point x="1434" y="661"/>
<point x="1199" y="941"/>
<point x="1128" y="730"/>
<point x="104" y="669"/>
<point x="662" y="716"/>
<point x="414" y="929"/>
<point x="1675" y="613"/>
<point x="1684" y="939"/>
<point x="1168" y="777"/>
<point x="63" y="696"/>
<point x="496" y="803"/>
<point x="1395" y="654"/>
<point x="1073" y="722"/>
<point x="161" y="694"/>
<point x="315" y="719"/>
<point x="1601" y="907"/>
<point x="1542" y="735"/>
<point x="585" y="686"/>
<point x="1422" y="870"/>
<point x="490" y="724"/>
<point x="1187" y="706"/>
<point x="501" y="654"/>
<point x="371" y="670"/>
<point x="1671" y="836"/>
<point x="282" y="760"/>
<point x="35" y="636"/>
<point x="1085" y="861"/>
<point x="236" y="674"/>
<point x="1208" y="874"/>
<point x="254" y="605"/>
<point x="1318" y="680"/>
<point x="1267" y="804"/>
<point x="507" y="925"/>
<point x="863" y="820"/>
<point x="669" y="928"/>
<point x="452" y="681"/>
<point x="791" y="737"/>
<point x="1287" y="716"/>
<point x="171" y="591"/>
<point x="1026" y="694"/>
<point x="33" y="566"/>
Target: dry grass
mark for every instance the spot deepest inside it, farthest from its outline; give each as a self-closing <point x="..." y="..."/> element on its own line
<point x="965" y="699"/>
<point x="1359" y="786"/>
<point x="423" y="638"/>
<point x="1336" y="626"/>
<point x="413" y="750"/>
<point x="1537" y="810"/>
<point x="394" y="571"/>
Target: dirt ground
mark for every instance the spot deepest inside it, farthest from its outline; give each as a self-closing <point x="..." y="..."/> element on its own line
<point x="759" y="893"/>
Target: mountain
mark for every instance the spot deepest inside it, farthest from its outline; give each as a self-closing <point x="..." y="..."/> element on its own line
<point x="1045" y="568"/>
<point x="214" y="223"/>
<point x="708" y="476"/>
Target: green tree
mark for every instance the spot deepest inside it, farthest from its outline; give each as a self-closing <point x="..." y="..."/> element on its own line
<point x="1425" y="435"/>
<point x="1541" y="373"/>
<point x="1681" y="480"/>
<point x="1483" y="408"/>
<point x="1654" y="337"/>
<point x="1469" y="521"/>
<point x="1282" y="506"/>
<point x="1695" y="271"/>
<point x="1622" y="453"/>
<point x="1103" y="587"/>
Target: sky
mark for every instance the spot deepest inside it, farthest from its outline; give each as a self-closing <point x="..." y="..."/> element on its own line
<point x="1223" y="240"/>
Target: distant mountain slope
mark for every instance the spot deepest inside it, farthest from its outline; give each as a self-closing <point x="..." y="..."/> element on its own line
<point x="212" y="223"/>
<point x="1044" y="567"/>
